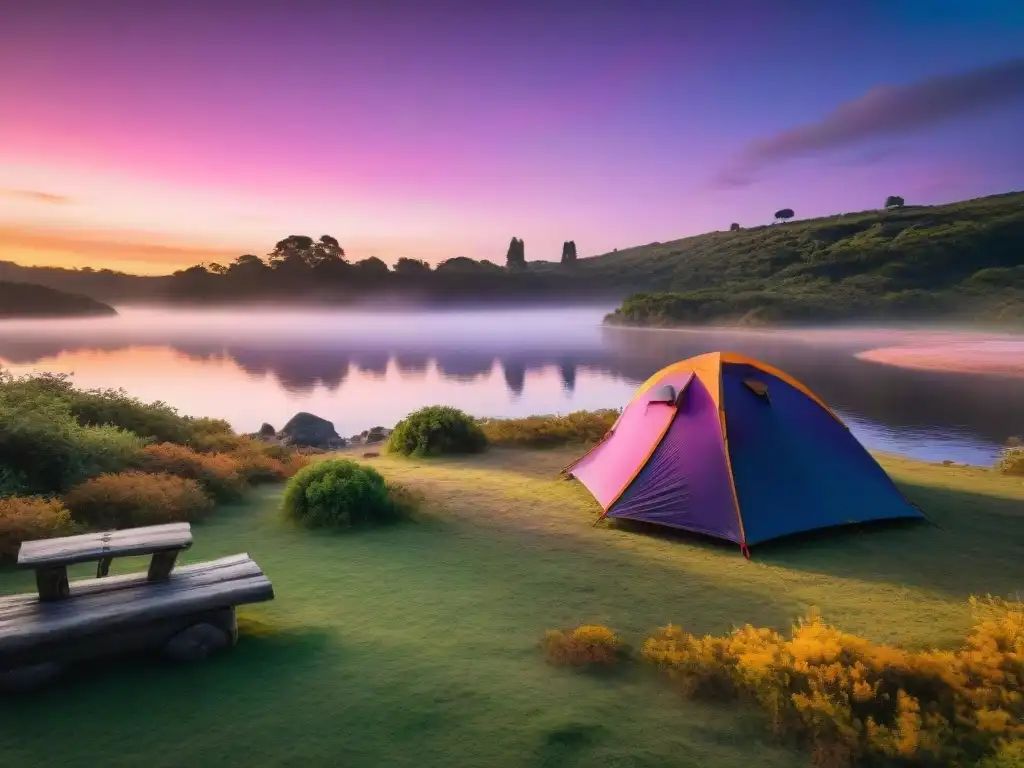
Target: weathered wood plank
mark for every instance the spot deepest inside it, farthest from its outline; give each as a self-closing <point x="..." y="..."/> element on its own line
<point x="123" y="581"/>
<point x="94" y="546"/>
<point x="88" y="592"/>
<point x="101" y="613"/>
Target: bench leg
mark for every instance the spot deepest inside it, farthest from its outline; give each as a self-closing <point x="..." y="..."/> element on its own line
<point x="161" y="565"/>
<point x="103" y="567"/>
<point x="52" y="583"/>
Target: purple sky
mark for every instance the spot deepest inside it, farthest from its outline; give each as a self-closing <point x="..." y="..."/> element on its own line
<point x="149" y="135"/>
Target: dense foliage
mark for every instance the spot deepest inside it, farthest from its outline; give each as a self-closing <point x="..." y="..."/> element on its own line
<point x="114" y="460"/>
<point x="129" y="499"/>
<point x="856" y="703"/>
<point x="578" y="427"/>
<point x="338" y="493"/>
<point x="962" y="260"/>
<point x="436" y="430"/>
<point x="30" y="300"/>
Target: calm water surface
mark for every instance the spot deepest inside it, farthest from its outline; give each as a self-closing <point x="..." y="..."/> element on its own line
<point x="361" y="369"/>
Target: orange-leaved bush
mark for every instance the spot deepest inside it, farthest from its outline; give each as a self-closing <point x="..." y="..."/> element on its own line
<point x="858" y="703"/>
<point x="219" y="474"/>
<point x="589" y="645"/>
<point x="25" y="518"/>
<point x="129" y="499"/>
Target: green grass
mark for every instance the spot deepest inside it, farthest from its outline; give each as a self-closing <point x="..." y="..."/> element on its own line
<point x="957" y="262"/>
<point x="418" y="644"/>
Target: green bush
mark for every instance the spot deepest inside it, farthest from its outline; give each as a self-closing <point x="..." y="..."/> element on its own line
<point x="339" y="493"/>
<point x="1011" y="461"/>
<point x="580" y="427"/>
<point x="437" y="430"/>
<point x="30" y="518"/>
<point x="130" y="499"/>
<point x="44" y="449"/>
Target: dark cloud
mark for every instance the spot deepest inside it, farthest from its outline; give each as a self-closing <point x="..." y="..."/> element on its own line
<point x="36" y="196"/>
<point x="884" y="111"/>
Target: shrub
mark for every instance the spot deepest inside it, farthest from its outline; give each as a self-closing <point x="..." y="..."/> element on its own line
<point x="549" y="431"/>
<point x="590" y="645"/>
<point x="219" y="474"/>
<point x="1009" y="755"/>
<point x="44" y="449"/>
<point x="29" y="518"/>
<point x="856" y="703"/>
<point x="1011" y="461"/>
<point x="264" y="463"/>
<point x="213" y="436"/>
<point x="436" y="430"/>
<point x="339" y="493"/>
<point x="133" y="498"/>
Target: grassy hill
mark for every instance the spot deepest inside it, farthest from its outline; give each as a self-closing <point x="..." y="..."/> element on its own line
<point x="961" y="261"/>
<point x="30" y="300"/>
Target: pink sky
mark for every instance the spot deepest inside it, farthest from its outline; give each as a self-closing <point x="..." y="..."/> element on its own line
<point x="151" y="139"/>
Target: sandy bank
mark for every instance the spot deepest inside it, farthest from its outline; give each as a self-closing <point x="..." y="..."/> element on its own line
<point x="993" y="357"/>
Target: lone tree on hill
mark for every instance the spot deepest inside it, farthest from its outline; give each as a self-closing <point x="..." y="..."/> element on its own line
<point x="516" y="257"/>
<point x="569" y="252"/>
<point x="734" y="227"/>
<point x="784" y="214"/>
<point x="894" y="201"/>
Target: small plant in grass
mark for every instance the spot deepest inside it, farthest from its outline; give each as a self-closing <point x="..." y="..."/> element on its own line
<point x="219" y="474"/>
<point x="579" y="427"/>
<point x="1011" y="461"/>
<point x="25" y="518"/>
<point x="590" y="645"/>
<point x="130" y="499"/>
<point x="339" y="493"/>
<point x="435" y="431"/>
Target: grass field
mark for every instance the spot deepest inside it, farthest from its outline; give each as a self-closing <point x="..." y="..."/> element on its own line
<point x="417" y="644"/>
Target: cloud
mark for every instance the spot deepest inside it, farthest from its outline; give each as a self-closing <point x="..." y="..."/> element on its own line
<point x="35" y="196"/>
<point x="884" y="111"/>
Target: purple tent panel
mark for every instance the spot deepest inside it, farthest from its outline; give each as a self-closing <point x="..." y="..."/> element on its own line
<point x="610" y="466"/>
<point x="686" y="483"/>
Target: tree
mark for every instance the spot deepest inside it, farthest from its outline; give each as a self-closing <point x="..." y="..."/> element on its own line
<point x="217" y="269"/>
<point x="411" y="267"/>
<point x="326" y="250"/>
<point x="784" y="214"/>
<point x="516" y="256"/>
<point x="371" y="268"/>
<point x="734" y="227"/>
<point x="894" y="201"/>
<point x="293" y="254"/>
<point x="569" y="252"/>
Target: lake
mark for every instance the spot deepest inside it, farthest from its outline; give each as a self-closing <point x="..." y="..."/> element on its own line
<point x="361" y="369"/>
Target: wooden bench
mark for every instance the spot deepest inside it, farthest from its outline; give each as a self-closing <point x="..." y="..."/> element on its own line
<point x="188" y="610"/>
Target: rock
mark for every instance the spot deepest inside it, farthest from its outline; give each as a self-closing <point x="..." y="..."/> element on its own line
<point x="371" y="455"/>
<point x="24" y="679"/>
<point x="306" y="429"/>
<point x="377" y="435"/>
<point x="267" y="431"/>
<point x="197" y="642"/>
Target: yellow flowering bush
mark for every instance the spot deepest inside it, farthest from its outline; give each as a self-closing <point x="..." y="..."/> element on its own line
<point x="590" y="645"/>
<point x="857" y="703"/>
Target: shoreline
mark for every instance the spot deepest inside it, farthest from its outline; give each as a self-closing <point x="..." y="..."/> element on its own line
<point x="958" y="357"/>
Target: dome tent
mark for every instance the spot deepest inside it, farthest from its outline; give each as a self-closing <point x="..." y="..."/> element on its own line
<point x="727" y="446"/>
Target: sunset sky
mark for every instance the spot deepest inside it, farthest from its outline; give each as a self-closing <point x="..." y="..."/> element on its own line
<point x="147" y="136"/>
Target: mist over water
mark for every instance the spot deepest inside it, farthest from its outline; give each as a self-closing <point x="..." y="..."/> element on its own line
<point x="364" y="368"/>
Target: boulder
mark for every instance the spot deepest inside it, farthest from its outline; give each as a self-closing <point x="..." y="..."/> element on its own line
<point x="197" y="642"/>
<point x="267" y="430"/>
<point x="306" y="429"/>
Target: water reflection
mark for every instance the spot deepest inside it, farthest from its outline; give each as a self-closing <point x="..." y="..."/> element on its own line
<point x="513" y="366"/>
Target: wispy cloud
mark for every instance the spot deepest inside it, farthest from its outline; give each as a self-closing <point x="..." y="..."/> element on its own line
<point x="35" y="196"/>
<point x="884" y="111"/>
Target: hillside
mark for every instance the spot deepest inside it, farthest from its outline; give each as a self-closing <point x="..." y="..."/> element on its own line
<point x="29" y="300"/>
<point x="961" y="261"/>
